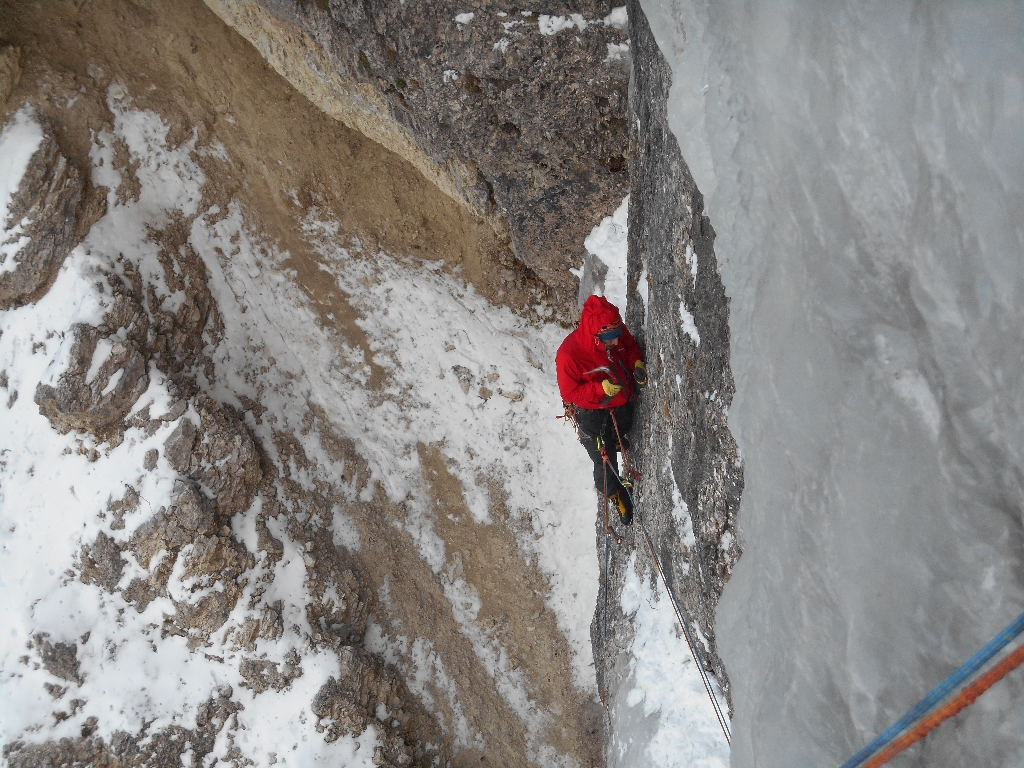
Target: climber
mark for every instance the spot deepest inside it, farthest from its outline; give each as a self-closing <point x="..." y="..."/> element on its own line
<point x="600" y="368"/>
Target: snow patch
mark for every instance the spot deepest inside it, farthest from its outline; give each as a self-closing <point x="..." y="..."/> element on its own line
<point x="617" y="51"/>
<point x="677" y="721"/>
<point x="689" y="326"/>
<point x="552" y="25"/>
<point x="618" y="18"/>
<point x="608" y="242"/>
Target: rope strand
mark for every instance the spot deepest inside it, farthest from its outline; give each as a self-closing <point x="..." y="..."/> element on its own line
<point x="939" y="692"/>
<point x="705" y="678"/>
<point x="951" y="708"/>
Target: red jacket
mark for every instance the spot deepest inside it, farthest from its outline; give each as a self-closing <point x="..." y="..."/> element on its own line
<point x="583" y="362"/>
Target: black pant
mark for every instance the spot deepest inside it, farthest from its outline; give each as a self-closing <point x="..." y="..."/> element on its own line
<point x="596" y="430"/>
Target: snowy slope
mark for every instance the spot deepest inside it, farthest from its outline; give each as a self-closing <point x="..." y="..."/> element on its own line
<point x="429" y="332"/>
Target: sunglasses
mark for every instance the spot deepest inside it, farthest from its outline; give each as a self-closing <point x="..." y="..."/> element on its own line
<point x="607" y="334"/>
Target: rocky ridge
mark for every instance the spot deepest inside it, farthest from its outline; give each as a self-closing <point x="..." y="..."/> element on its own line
<point x="519" y="114"/>
<point x="692" y="475"/>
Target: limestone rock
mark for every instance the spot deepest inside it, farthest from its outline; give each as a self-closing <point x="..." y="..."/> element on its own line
<point x="60" y="659"/>
<point x="261" y="675"/>
<point x="102" y="563"/>
<point x="10" y="71"/>
<point x="684" y="448"/>
<point x="347" y="704"/>
<point x="220" y="453"/>
<point x="98" y="403"/>
<point x="167" y="748"/>
<point x="521" y="123"/>
<point x="350" y="700"/>
<point x="189" y="517"/>
<point x="43" y="210"/>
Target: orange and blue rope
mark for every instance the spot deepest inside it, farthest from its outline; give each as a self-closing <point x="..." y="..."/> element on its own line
<point x="938" y="694"/>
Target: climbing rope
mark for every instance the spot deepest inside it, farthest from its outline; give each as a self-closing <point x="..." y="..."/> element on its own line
<point x="953" y="707"/>
<point x="941" y="692"/>
<point x="705" y="678"/>
<point x="607" y="554"/>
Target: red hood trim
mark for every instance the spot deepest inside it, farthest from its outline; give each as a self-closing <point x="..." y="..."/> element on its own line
<point x="597" y="313"/>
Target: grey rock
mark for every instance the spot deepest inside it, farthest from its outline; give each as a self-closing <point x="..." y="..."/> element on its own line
<point x="47" y="198"/>
<point x="683" y="446"/>
<point x="189" y="517"/>
<point x="60" y="659"/>
<point x="102" y="563"/>
<point x="78" y="403"/>
<point x="524" y="128"/>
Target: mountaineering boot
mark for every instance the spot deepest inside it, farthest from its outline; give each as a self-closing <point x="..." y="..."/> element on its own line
<point x="623" y="506"/>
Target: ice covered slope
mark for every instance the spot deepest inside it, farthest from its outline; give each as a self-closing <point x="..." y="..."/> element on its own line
<point x="863" y="169"/>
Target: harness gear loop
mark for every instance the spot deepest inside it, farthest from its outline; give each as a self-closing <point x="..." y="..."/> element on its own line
<point x="569" y="414"/>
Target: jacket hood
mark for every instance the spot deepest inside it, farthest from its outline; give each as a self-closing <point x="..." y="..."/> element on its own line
<point x="597" y="313"/>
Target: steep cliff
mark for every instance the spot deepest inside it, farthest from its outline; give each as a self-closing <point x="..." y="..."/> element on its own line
<point x="518" y="114"/>
<point x="691" y="475"/>
<point x="862" y="165"/>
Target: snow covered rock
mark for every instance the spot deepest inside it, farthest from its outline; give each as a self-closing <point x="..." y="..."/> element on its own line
<point x="692" y="477"/>
<point x="101" y="563"/>
<point x="60" y="659"/>
<point x="168" y="748"/>
<point x="189" y="516"/>
<point x="38" y="223"/>
<point x="89" y="395"/>
<point x="346" y="704"/>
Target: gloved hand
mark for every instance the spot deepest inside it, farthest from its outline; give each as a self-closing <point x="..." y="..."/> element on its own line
<point x="610" y="389"/>
<point x="640" y="373"/>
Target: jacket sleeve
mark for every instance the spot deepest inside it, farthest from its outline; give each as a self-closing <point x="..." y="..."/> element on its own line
<point x="574" y="388"/>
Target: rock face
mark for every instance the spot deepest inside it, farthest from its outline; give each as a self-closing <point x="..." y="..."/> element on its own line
<point x="94" y="400"/>
<point x="220" y="454"/>
<point x="348" y="703"/>
<point x="521" y="117"/>
<point x="10" y="71"/>
<point x="163" y="749"/>
<point x="42" y="215"/>
<point x="692" y="477"/>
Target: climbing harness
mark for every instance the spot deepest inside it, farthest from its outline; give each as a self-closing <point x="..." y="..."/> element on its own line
<point x="570" y="416"/>
<point x="705" y="678"/>
<point x="941" y="692"/>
